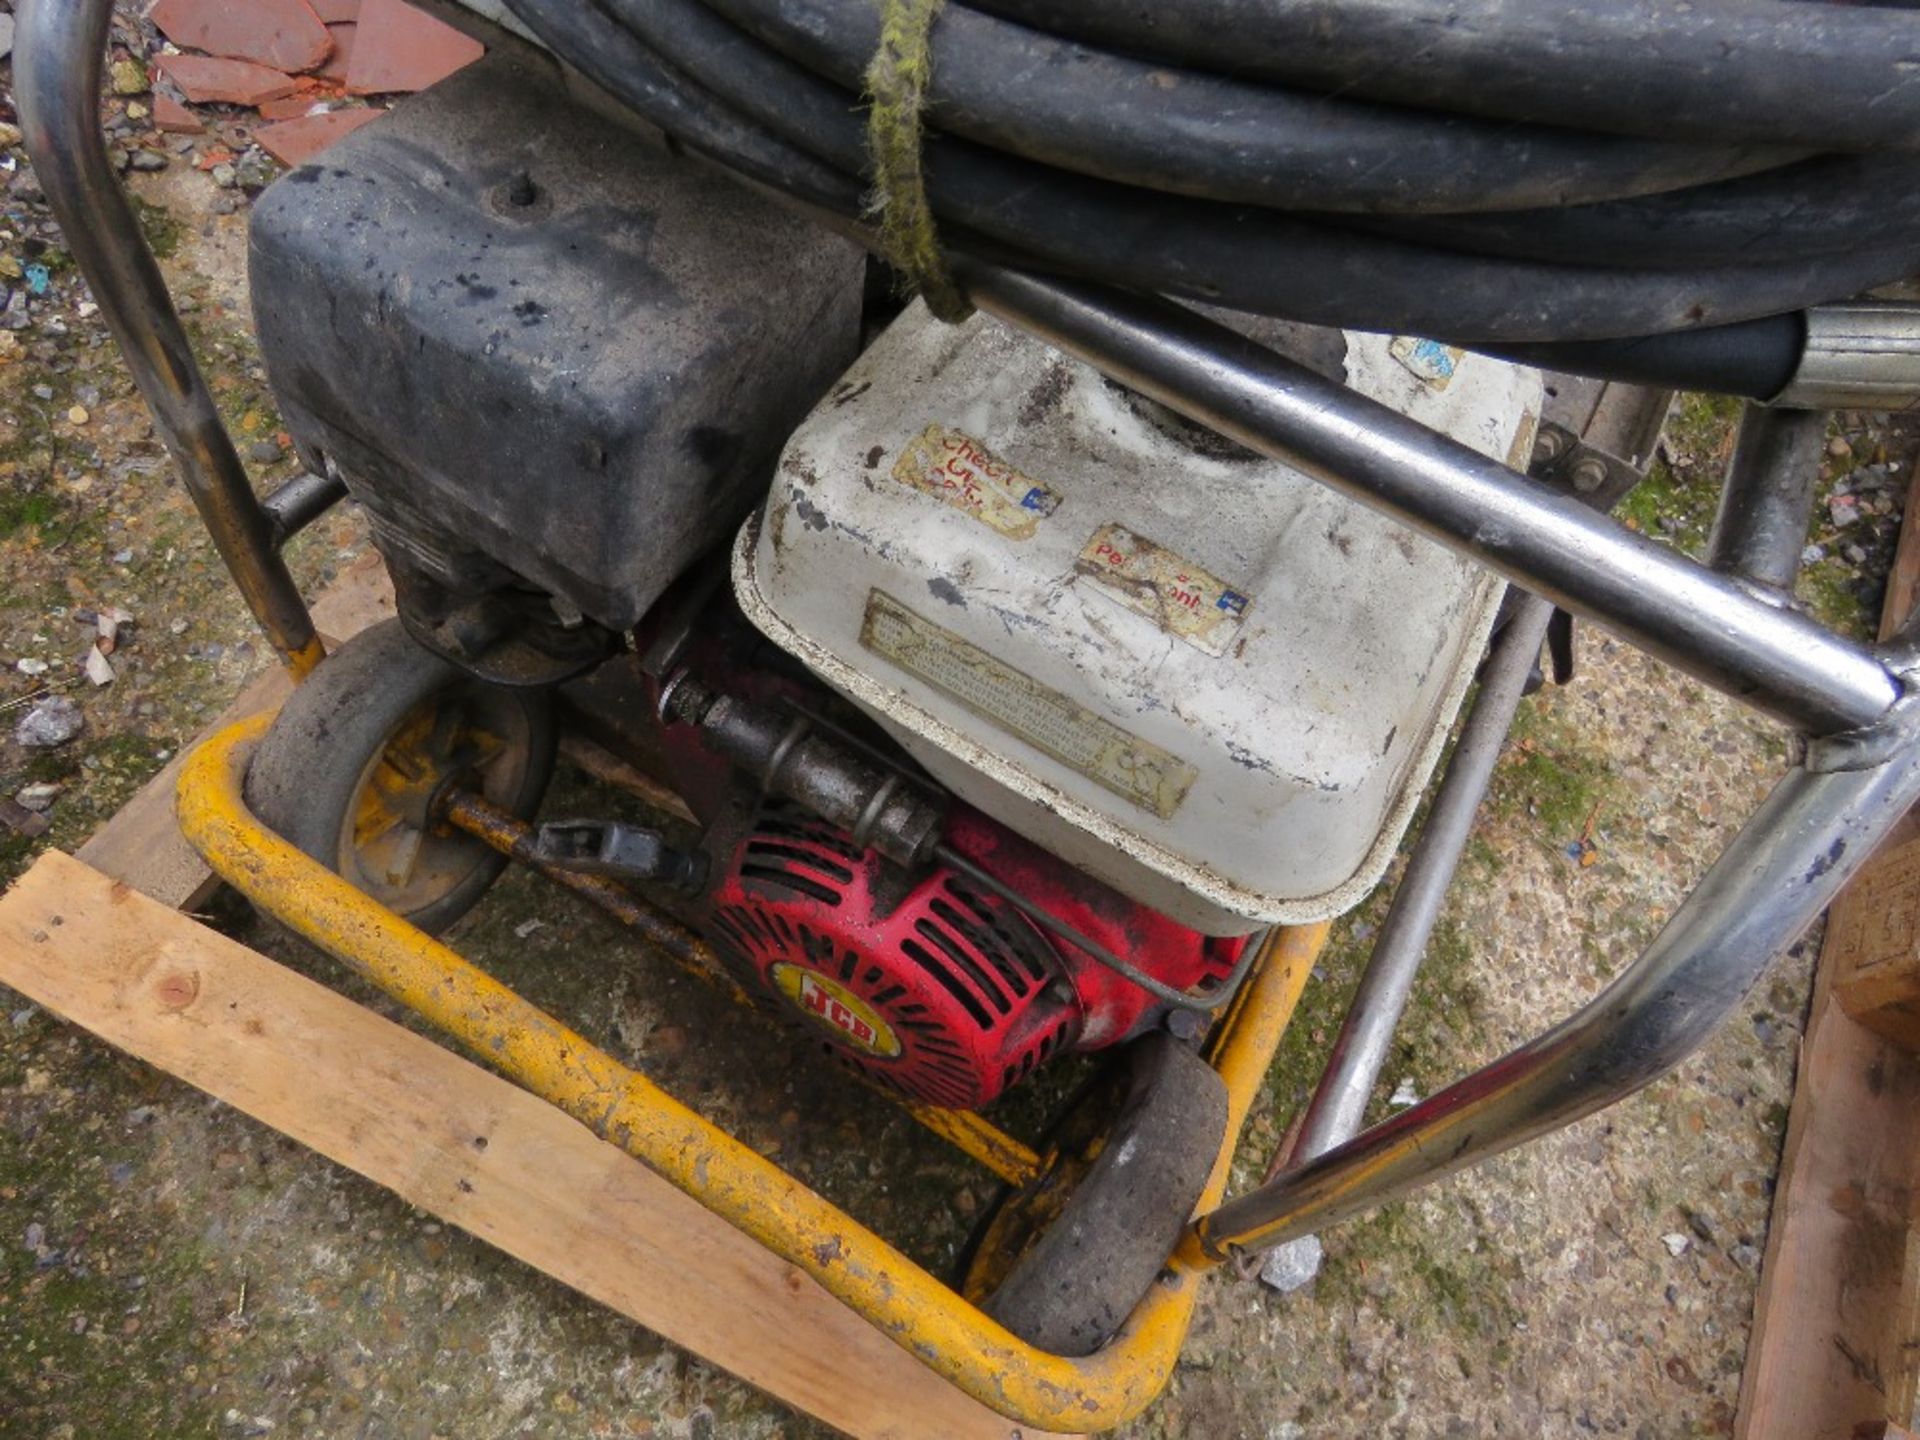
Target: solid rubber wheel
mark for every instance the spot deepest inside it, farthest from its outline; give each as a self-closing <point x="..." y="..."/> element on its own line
<point x="1064" y="1260"/>
<point x="349" y="770"/>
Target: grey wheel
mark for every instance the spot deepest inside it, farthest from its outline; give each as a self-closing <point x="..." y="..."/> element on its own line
<point x="349" y="770"/>
<point x="1064" y="1260"/>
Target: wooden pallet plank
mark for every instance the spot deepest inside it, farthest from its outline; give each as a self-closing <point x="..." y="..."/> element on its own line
<point x="1836" y="1328"/>
<point x="410" y="1116"/>
<point x="1903" y="580"/>
<point x="141" y="845"/>
<point x="1835" y="1346"/>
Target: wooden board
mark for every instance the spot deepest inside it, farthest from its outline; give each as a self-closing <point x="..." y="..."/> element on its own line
<point x="1903" y="581"/>
<point x="1835" y="1348"/>
<point x="140" y="844"/>
<point x="1836" y="1328"/>
<point x="1873" y="946"/>
<point x="408" y="1115"/>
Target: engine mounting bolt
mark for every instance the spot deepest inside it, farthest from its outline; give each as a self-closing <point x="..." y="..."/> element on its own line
<point x="1185" y="1025"/>
<point x="1589" y="474"/>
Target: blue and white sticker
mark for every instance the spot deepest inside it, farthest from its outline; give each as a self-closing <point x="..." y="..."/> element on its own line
<point x="1433" y="362"/>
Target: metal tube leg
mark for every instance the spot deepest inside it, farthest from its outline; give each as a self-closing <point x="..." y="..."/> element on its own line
<point x="57" y="63"/>
<point x="1547" y="543"/>
<point x="1802" y="844"/>
<point x="1339" y="1104"/>
<point x="1765" y="505"/>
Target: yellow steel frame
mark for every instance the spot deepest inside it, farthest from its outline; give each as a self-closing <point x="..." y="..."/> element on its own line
<point x="994" y="1148"/>
<point x="906" y="1303"/>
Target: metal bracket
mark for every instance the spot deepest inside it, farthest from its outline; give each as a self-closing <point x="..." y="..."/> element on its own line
<point x="1561" y="457"/>
<point x="621" y="852"/>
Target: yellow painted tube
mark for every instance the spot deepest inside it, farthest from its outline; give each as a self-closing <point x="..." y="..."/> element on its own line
<point x="898" y="1297"/>
<point x="987" y="1144"/>
<point x="300" y="663"/>
<point x="1243" y="1045"/>
<point x="992" y="1147"/>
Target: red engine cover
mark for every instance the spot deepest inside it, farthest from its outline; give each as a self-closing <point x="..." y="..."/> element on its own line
<point x="945" y="993"/>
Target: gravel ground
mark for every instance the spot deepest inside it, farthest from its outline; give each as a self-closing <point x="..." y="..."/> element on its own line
<point x="169" y="1268"/>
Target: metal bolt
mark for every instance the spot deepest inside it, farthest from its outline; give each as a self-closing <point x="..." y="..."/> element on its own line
<point x="1185" y="1025"/>
<point x="521" y="190"/>
<point x="1548" y="445"/>
<point x="1589" y="474"/>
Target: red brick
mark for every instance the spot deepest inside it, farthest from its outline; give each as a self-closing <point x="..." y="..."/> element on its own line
<point x="289" y="107"/>
<point x="204" y="78"/>
<point x="282" y="34"/>
<point x="170" y="115"/>
<point x="342" y="57"/>
<point x="400" y="49"/>
<point x="294" y="142"/>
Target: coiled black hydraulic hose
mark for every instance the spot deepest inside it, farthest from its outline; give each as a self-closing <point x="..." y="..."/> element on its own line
<point x="1833" y="77"/>
<point x="1193" y="133"/>
<point x="1491" y="172"/>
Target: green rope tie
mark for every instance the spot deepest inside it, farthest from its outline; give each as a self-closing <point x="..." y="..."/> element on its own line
<point x="897" y="79"/>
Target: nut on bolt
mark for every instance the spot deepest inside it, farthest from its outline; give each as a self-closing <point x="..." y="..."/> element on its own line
<point x="1589" y="474"/>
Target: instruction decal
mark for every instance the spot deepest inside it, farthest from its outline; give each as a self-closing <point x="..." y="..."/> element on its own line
<point x="961" y="471"/>
<point x="1175" y="594"/>
<point x="1089" y="744"/>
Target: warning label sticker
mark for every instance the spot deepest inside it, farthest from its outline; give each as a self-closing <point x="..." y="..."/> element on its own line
<point x="1085" y="742"/>
<point x="1177" y="595"/>
<point x="961" y="471"/>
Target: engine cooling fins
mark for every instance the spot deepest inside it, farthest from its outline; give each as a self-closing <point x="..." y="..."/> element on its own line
<point x="949" y="997"/>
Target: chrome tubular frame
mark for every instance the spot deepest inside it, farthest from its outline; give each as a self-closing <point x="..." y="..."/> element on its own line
<point x="60" y="117"/>
<point x="1767" y="501"/>
<point x="1771" y="882"/>
<point x="1360" y="1050"/>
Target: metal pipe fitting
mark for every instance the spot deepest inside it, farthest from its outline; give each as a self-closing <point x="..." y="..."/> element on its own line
<point x="1549" y="543"/>
<point x="1860" y="356"/>
<point x="785" y="755"/>
<point x="56" y="70"/>
<point x="297" y="503"/>
<point x="1767" y="501"/>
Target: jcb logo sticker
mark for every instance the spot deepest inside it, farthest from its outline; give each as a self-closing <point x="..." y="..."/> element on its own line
<point x="832" y="1004"/>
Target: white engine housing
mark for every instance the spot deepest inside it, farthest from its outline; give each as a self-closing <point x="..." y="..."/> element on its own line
<point x="1192" y="672"/>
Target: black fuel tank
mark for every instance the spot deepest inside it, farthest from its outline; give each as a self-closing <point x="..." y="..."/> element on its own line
<point x="524" y="333"/>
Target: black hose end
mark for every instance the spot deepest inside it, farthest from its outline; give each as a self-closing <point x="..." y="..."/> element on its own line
<point x="1754" y="359"/>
